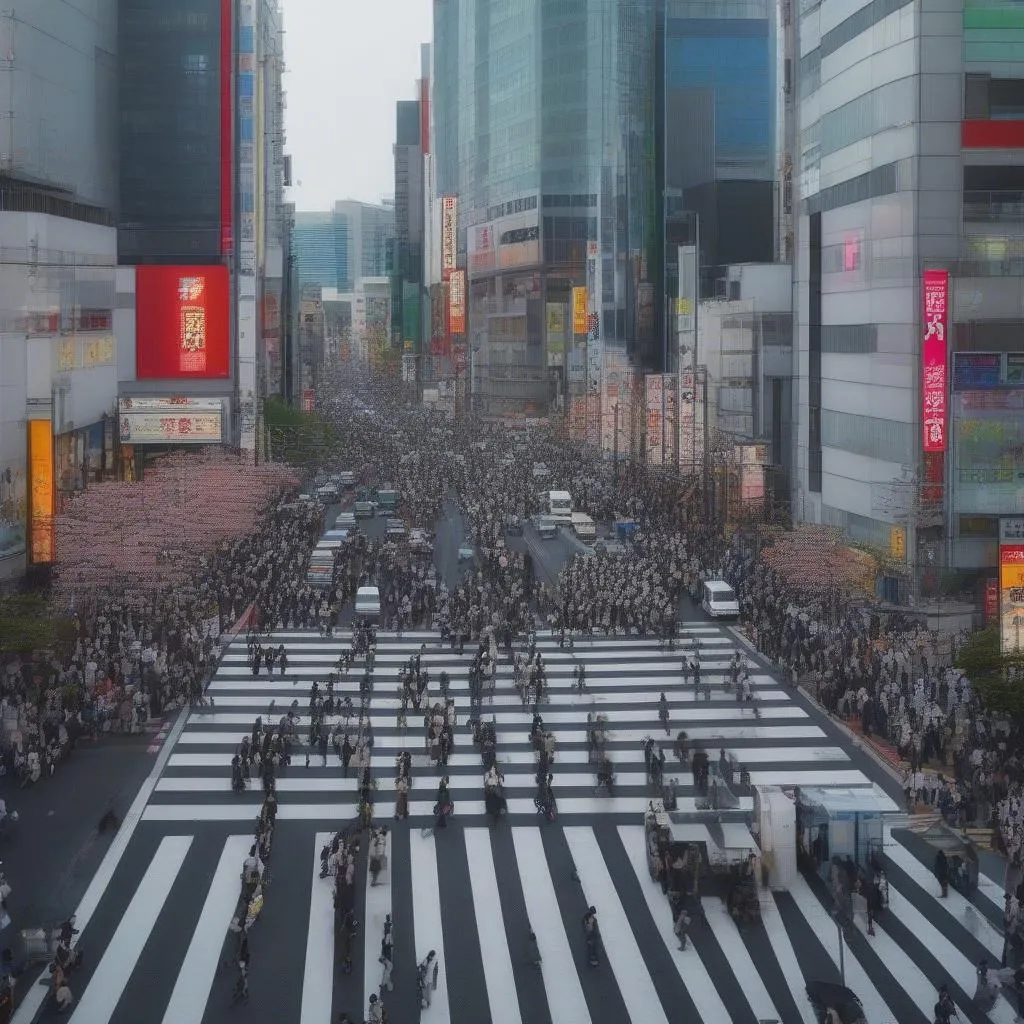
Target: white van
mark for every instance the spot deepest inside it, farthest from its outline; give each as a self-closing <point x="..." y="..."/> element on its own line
<point x="559" y="506"/>
<point x="584" y="527"/>
<point x="367" y="602"/>
<point x="720" y="600"/>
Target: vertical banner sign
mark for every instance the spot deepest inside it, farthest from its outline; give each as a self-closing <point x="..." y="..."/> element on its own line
<point x="579" y="311"/>
<point x="249" y="134"/>
<point x="670" y="420"/>
<point x="935" y="290"/>
<point x="41" y="492"/>
<point x="691" y="420"/>
<point x="457" y="302"/>
<point x="1011" y="584"/>
<point x="449" y="225"/>
<point x="595" y="349"/>
<point x="655" y="419"/>
<point x="686" y="321"/>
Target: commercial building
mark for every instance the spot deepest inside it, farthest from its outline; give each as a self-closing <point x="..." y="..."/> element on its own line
<point x="334" y="249"/>
<point x="202" y="223"/>
<point x="58" y="254"/>
<point x="544" y="144"/>
<point x="910" y="278"/>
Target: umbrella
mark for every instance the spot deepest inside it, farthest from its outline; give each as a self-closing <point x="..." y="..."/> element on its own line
<point x="825" y="994"/>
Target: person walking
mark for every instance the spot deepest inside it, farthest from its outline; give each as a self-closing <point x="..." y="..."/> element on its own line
<point x="387" y="965"/>
<point x="428" y="971"/>
<point x="941" y="871"/>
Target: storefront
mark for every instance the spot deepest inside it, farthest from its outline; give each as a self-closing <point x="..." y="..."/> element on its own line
<point x="149" y="426"/>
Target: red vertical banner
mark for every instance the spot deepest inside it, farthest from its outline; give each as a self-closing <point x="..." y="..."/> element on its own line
<point x="934" y="359"/>
<point x="227" y="123"/>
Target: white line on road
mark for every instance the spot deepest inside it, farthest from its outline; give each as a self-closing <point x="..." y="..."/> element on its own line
<point x="318" y="976"/>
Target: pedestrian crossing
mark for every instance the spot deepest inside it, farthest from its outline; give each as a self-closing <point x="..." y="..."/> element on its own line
<point x="779" y="744"/>
<point x="473" y="894"/>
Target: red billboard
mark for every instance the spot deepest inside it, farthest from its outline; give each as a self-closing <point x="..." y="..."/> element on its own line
<point x="935" y="288"/>
<point x="181" y="323"/>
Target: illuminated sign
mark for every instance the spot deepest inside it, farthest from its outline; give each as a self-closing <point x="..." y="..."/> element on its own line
<point x="449" y="224"/>
<point x="40" y="460"/>
<point x="1011" y="584"/>
<point x="579" y="311"/>
<point x="934" y="412"/>
<point x="181" y="318"/>
<point x="457" y="302"/>
<point x="174" y="420"/>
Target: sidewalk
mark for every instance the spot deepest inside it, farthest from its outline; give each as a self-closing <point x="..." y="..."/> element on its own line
<point x="56" y="847"/>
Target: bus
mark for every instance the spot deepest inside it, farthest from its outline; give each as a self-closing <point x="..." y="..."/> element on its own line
<point x="559" y="506"/>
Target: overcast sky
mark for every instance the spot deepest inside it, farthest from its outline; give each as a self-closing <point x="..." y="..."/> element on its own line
<point x="348" y="63"/>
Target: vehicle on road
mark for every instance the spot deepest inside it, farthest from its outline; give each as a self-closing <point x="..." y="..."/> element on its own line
<point x="611" y="548"/>
<point x="719" y="600"/>
<point x="584" y="527"/>
<point x="387" y="500"/>
<point x="419" y="541"/>
<point x="346" y="478"/>
<point x="559" y="505"/>
<point x="321" y="568"/>
<point x="328" y="493"/>
<point x="395" y="529"/>
<point x="546" y="527"/>
<point x="368" y="602"/>
<point x="466" y="554"/>
<point x="363" y="510"/>
<point x="345" y="521"/>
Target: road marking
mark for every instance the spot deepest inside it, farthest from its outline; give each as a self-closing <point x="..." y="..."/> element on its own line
<point x="105" y="988"/>
<point x="426" y="918"/>
<point x="562" y="987"/>
<point x="195" y="978"/>
<point x="318" y="977"/>
<point x="498" y="974"/>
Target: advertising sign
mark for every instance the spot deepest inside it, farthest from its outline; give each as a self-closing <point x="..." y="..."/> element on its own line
<point x="449" y="239"/>
<point x="595" y="348"/>
<point x="934" y="411"/>
<point x="991" y="602"/>
<point x="655" y="419"/>
<point x="40" y="467"/>
<point x="457" y="302"/>
<point x="308" y="399"/>
<point x="556" y="333"/>
<point x="1011" y="586"/>
<point x="692" y="386"/>
<point x="977" y="371"/>
<point x="181" y="322"/>
<point x="171" y="420"/>
<point x="578" y="418"/>
<point x="579" y="311"/>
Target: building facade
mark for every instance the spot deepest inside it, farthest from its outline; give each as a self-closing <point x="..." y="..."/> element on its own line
<point x="58" y="255"/>
<point x="909" y="277"/>
<point x="544" y="134"/>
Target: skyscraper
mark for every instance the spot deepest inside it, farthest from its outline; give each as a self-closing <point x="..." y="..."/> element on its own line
<point x="544" y="130"/>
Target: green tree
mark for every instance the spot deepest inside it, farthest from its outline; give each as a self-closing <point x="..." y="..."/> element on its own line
<point x="297" y="437"/>
<point x="28" y="624"/>
<point x="997" y="677"/>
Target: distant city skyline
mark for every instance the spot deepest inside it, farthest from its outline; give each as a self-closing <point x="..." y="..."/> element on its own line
<point x="352" y="62"/>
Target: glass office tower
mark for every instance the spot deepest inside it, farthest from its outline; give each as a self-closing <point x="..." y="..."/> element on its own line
<point x="544" y="128"/>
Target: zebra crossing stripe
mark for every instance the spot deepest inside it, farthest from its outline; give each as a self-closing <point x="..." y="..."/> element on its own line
<point x="561" y="979"/>
<point x="498" y="973"/>
<point x="195" y="979"/>
<point x="318" y="977"/>
<point x="426" y="919"/>
<point x="105" y="988"/>
<point x="782" y="947"/>
<point x="751" y="983"/>
<point x="378" y="906"/>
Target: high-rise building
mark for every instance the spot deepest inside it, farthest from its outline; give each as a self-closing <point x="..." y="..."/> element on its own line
<point x="58" y="255"/>
<point x="719" y="133"/>
<point x="910" y="277"/>
<point x="544" y="134"/>
<point x="201" y="220"/>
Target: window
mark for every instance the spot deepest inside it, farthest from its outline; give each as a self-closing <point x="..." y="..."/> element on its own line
<point x="196" y="63"/>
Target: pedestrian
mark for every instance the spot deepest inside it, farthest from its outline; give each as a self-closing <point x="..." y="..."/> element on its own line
<point x="941" y="870"/>
<point x="533" y="957"/>
<point x="427" y="972"/>
<point x="387" y="966"/>
<point x="375" y="1011"/>
<point x="945" y="1008"/>
<point x="681" y="925"/>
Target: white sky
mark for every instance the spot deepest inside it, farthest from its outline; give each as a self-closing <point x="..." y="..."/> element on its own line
<point x="349" y="62"/>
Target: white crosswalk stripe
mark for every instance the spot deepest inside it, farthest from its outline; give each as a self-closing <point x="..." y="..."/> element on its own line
<point x="473" y="894"/>
<point x="779" y="745"/>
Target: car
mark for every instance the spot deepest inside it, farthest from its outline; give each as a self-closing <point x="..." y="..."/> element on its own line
<point x="419" y="540"/>
<point x="328" y="493"/>
<point x="363" y="510"/>
<point x="345" y="521"/>
<point x="346" y="478"/>
<point x="546" y="527"/>
<point x="395" y="528"/>
<point x="466" y="554"/>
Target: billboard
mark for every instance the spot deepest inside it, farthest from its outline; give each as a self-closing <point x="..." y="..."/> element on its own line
<point x="181" y="322"/>
<point x="692" y="396"/>
<point x="662" y="428"/>
<point x="934" y="411"/>
<point x="40" y="468"/>
<point x="1011" y="584"/>
<point x="579" y="311"/>
<point x="556" y="333"/>
<point x="595" y="347"/>
<point x="457" y="302"/>
<point x="173" y="420"/>
<point x="449" y="239"/>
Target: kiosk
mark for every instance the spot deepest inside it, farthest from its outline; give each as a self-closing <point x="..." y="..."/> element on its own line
<point x="844" y="822"/>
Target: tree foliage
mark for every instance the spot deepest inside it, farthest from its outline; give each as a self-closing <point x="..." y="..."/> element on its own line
<point x="28" y="624"/>
<point x="997" y="677"/>
<point x="297" y="437"/>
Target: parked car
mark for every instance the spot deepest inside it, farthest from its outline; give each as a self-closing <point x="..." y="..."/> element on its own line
<point x="345" y="521"/>
<point x="328" y="493"/>
<point x="395" y="529"/>
<point x="466" y="554"/>
<point x="363" y="509"/>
